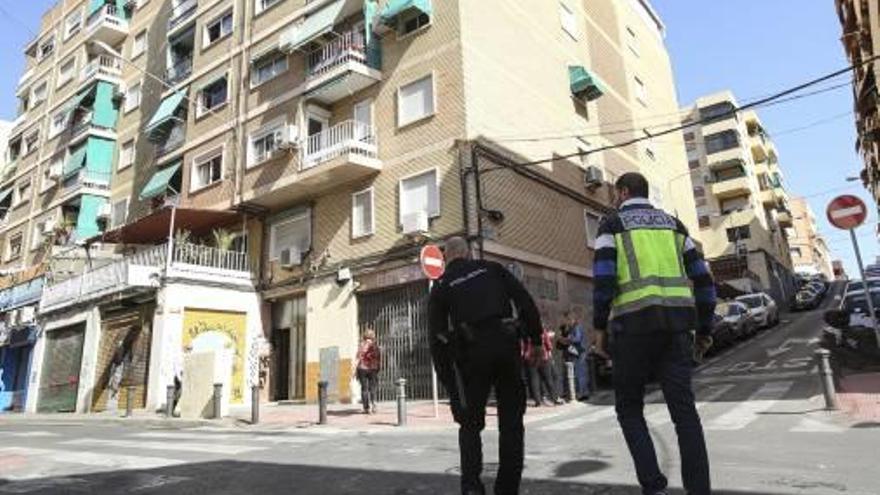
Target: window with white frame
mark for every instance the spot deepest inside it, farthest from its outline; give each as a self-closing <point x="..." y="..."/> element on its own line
<point x="218" y="29"/>
<point x="31" y="140"/>
<point x="46" y="48"/>
<point x="264" y="143"/>
<point x="268" y="68"/>
<point x="362" y="213"/>
<point x="40" y="93"/>
<point x="13" y="247"/>
<point x="415" y="101"/>
<point x="213" y="95"/>
<point x="37" y="236"/>
<point x="568" y="19"/>
<point x="126" y="155"/>
<point x="641" y="91"/>
<point x="139" y="45"/>
<point x="133" y="96"/>
<point x="72" y="24"/>
<point x="261" y="5"/>
<point x="293" y="233"/>
<point x="411" y="21"/>
<point x="66" y="71"/>
<point x="118" y="213"/>
<point x="206" y="170"/>
<point x="59" y="122"/>
<point x="22" y="193"/>
<point x="420" y="193"/>
<point x="632" y="42"/>
<point x="591" y="225"/>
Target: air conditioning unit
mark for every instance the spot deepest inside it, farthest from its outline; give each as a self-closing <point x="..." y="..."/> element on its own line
<point x="104" y="211"/>
<point x="594" y="176"/>
<point x="415" y="223"/>
<point x="55" y="171"/>
<point x="27" y="315"/>
<point x="289" y="138"/>
<point x="290" y="257"/>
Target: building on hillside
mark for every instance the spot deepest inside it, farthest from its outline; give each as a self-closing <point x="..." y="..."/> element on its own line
<point x="860" y="23"/>
<point x="742" y="206"/>
<point x="809" y="250"/>
<point x="212" y="177"/>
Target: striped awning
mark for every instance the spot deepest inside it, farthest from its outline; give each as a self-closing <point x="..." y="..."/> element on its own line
<point x="158" y="184"/>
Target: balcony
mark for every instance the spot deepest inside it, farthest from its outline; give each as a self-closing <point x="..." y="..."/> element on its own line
<point x="145" y="270"/>
<point x="759" y="152"/>
<point x="181" y="13"/>
<point x="85" y="126"/>
<point x="181" y="70"/>
<point x="732" y="188"/>
<point x="343" y="66"/>
<point x="720" y="165"/>
<point x="87" y="179"/>
<point x="104" y="66"/>
<point x="783" y="216"/>
<point x="107" y="25"/>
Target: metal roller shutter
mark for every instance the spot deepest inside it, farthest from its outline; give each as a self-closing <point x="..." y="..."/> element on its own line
<point x="61" y="367"/>
<point x="123" y="357"/>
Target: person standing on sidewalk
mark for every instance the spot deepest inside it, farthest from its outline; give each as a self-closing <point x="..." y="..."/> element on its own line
<point x="481" y="351"/>
<point x="540" y="366"/>
<point x="649" y="272"/>
<point x="572" y="342"/>
<point x="369" y="360"/>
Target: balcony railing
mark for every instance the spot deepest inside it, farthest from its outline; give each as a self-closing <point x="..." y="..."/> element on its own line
<point x="105" y="65"/>
<point x="347" y="137"/>
<point x="108" y="13"/>
<point x="179" y="71"/>
<point x="213" y="258"/>
<point x="349" y="47"/>
<point x="175" y="139"/>
<point x="86" y="178"/>
<point x="181" y="13"/>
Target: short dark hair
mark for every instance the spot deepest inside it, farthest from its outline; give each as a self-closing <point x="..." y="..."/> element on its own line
<point x="635" y="183"/>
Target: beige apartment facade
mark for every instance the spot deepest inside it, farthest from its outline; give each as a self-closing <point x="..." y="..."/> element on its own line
<point x="810" y="254"/>
<point x="742" y="206"/>
<point x="302" y="153"/>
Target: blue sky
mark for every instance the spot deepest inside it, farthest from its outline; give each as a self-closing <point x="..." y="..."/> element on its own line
<point x="753" y="47"/>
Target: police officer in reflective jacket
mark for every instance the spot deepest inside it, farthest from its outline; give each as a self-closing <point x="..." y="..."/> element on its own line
<point x="476" y="346"/>
<point x="655" y="285"/>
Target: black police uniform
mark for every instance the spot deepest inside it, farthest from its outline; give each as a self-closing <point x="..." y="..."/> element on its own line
<point x="475" y="297"/>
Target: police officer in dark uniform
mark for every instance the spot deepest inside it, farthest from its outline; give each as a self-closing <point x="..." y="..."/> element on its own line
<point x="475" y="344"/>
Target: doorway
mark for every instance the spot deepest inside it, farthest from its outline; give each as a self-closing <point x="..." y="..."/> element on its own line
<point x="289" y="348"/>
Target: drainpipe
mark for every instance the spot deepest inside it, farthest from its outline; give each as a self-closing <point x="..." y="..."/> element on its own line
<point x="478" y="191"/>
<point x="170" y="250"/>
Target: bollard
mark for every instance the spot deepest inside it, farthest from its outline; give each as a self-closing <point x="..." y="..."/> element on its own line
<point x="401" y="402"/>
<point x="170" y="392"/>
<point x="255" y="404"/>
<point x="218" y="398"/>
<point x="129" y="401"/>
<point x="322" y="402"/>
<point x="826" y="375"/>
<point x="569" y="373"/>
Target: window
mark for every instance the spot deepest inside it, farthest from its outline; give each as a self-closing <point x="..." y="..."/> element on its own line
<point x="796" y="252"/>
<point x="264" y="143"/>
<point x="133" y="97"/>
<point x="22" y="193"/>
<point x="52" y="170"/>
<point x="716" y="112"/>
<point x="40" y="92"/>
<point x="46" y="48"/>
<point x="420" y="193"/>
<point x="261" y="5"/>
<point x="30" y="141"/>
<point x="694" y="164"/>
<point x="66" y="71"/>
<point x="632" y="42"/>
<point x="213" y="95"/>
<point x="699" y="192"/>
<point x="139" y="45"/>
<point x="37" y="236"/>
<point x="292" y="233"/>
<point x="13" y="249"/>
<point x="218" y="29"/>
<point x="763" y="182"/>
<point x="14" y="149"/>
<point x="126" y="155"/>
<point x="410" y="22"/>
<point x="690" y="146"/>
<point x="268" y="68"/>
<point x="72" y="24"/>
<point x="641" y="91"/>
<point x="689" y="136"/>
<point x="362" y="213"/>
<point x="207" y="170"/>
<point x="118" y="213"/>
<point x="415" y="101"/>
<point x="59" y="123"/>
<point x="591" y="223"/>
<point x="721" y="141"/>
<point x="5" y="207"/>
<point x="568" y="20"/>
<point x="740" y="233"/>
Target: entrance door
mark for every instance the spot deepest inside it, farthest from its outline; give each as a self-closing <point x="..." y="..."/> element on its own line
<point x="123" y="358"/>
<point x="363" y="118"/>
<point x="289" y="344"/>
<point x="281" y="344"/>
<point x="315" y="145"/>
<point x="61" y="366"/>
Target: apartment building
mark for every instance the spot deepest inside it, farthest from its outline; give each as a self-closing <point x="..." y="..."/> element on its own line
<point x="810" y="254"/>
<point x="860" y="23"/>
<point x="742" y="206"/>
<point x="255" y="179"/>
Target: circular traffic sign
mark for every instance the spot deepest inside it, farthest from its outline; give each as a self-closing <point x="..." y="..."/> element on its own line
<point x="847" y="212"/>
<point x="432" y="262"/>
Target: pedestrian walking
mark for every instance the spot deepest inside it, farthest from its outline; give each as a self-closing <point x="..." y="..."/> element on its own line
<point x="644" y="258"/>
<point x="369" y="360"/>
<point x="479" y="351"/>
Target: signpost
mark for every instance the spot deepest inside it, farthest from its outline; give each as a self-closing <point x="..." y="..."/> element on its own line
<point x="846" y="213"/>
<point x="433" y="265"/>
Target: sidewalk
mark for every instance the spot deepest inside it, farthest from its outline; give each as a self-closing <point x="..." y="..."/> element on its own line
<point x="859" y="396"/>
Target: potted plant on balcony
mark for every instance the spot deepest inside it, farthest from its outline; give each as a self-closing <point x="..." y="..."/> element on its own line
<point x="223" y="240"/>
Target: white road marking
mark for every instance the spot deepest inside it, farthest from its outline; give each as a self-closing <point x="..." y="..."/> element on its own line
<point x="594" y="417"/>
<point x="208" y="448"/>
<point x="662" y="416"/>
<point x="29" y="434"/>
<point x="277" y="439"/>
<point x="761" y="377"/>
<point x="747" y="411"/>
<point x="810" y="425"/>
<point x="106" y="461"/>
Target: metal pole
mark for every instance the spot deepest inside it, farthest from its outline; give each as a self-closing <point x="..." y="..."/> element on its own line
<point x="129" y="400"/>
<point x="401" y="402"/>
<point x="218" y="398"/>
<point x="435" y="392"/>
<point x="855" y="241"/>
<point x="569" y="374"/>
<point x="170" y="251"/>
<point x="322" y="402"/>
<point x="826" y="376"/>
<point x="255" y="404"/>
<point x="170" y="393"/>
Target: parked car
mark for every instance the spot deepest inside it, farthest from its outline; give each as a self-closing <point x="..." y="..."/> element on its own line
<point x="733" y="322"/>
<point x="859" y="285"/>
<point x="806" y="299"/>
<point x="849" y="334"/>
<point x="762" y="308"/>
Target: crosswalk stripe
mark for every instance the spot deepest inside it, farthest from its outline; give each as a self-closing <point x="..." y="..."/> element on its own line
<point x="605" y="412"/>
<point x="710" y="394"/>
<point x="747" y="411"/>
<point x="209" y="448"/>
<point x="29" y="434"/>
<point x="276" y="439"/>
<point x="110" y="461"/>
<point x="810" y="425"/>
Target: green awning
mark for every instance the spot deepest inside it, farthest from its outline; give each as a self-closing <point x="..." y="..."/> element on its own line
<point x="4" y="195"/>
<point x="75" y="162"/>
<point x="371" y="7"/>
<point x="584" y="84"/>
<point x="159" y="182"/>
<point x="166" y="110"/>
<point x="77" y="100"/>
<point x="394" y="8"/>
<point x="315" y="25"/>
<point x="95" y="5"/>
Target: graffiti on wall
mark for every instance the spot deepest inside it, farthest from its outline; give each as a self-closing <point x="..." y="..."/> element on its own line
<point x="222" y="332"/>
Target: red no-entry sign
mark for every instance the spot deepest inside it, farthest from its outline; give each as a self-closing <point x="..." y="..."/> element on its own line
<point x="432" y="262"/>
<point x="847" y="212"/>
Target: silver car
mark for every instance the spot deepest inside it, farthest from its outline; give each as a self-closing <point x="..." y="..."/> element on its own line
<point x="762" y="308"/>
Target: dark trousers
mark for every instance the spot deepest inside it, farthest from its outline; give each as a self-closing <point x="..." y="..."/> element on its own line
<point x="541" y="377"/>
<point x="369" y="380"/>
<point x="666" y="357"/>
<point x="491" y="360"/>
